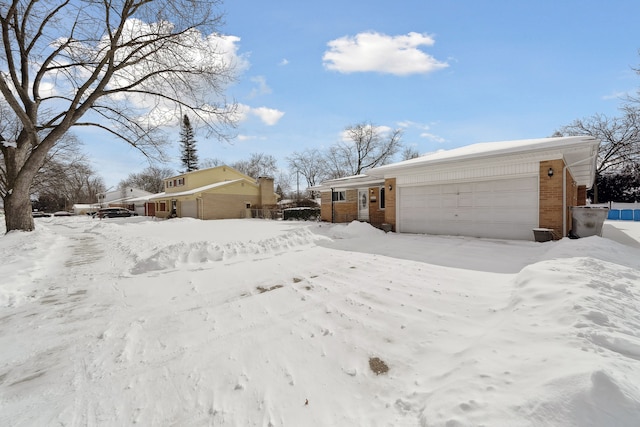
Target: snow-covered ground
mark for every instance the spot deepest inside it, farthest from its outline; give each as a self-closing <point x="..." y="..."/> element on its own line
<point x="271" y="323"/>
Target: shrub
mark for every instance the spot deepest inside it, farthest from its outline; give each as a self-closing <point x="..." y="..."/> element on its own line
<point x="303" y="214"/>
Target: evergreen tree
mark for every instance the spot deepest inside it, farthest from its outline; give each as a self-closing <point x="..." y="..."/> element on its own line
<point x="189" y="156"/>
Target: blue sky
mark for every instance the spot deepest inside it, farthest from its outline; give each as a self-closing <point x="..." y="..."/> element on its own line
<point x="450" y="73"/>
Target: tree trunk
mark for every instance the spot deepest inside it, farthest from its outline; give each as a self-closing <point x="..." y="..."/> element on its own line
<point x="21" y="168"/>
<point x="17" y="210"/>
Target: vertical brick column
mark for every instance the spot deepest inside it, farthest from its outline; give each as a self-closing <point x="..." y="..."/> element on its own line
<point x="550" y="205"/>
<point x="390" y="202"/>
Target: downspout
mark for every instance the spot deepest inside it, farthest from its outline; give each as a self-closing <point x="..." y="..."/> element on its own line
<point x="332" y="213"/>
<point x="564" y="191"/>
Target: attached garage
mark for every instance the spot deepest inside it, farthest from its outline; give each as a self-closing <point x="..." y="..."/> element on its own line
<point x="189" y="209"/>
<point x="500" y="190"/>
<point x="505" y="208"/>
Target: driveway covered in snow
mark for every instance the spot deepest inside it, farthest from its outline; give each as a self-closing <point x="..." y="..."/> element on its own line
<point x="244" y="322"/>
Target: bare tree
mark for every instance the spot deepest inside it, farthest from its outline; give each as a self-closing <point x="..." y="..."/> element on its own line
<point x="619" y="136"/>
<point x="259" y="164"/>
<point x="66" y="179"/>
<point x="210" y="163"/>
<point x="124" y="66"/>
<point x="364" y="146"/>
<point x="283" y="184"/>
<point x="311" y="164"/>
<point x="150" y="179"/>
<point x="409" y="153"/>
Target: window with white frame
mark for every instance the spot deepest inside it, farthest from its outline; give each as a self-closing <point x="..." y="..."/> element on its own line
<point x="339" y="196"/>
<point x="381" y="202"/>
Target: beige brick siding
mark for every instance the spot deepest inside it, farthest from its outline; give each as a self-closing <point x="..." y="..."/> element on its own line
<point x="225" y="206"/>
<point x="343" y="211"/>
<point x="376" y="215"/>
<point x="390" y="196"/>
<point x="551" y="205"/>
<point x="325" y="206"/>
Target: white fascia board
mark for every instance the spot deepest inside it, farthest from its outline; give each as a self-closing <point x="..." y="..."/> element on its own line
<point x="486" y="151"/>
<point x="349" y="185"/>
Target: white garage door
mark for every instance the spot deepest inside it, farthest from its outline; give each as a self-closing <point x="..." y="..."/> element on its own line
<point x="503" y="209"/>
<point x="189" y="209"/>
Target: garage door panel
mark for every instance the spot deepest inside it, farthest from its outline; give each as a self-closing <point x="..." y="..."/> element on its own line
<point x="189" y="209"/>
<point x="500" y="208"/>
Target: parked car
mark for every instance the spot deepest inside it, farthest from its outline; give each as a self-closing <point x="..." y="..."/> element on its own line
<point x="38" y="214"/>
<point x="62" y="213"/>
<point x="115" y="213"/>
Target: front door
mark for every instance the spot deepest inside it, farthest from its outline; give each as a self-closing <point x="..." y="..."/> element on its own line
<point x="363" y="205"/>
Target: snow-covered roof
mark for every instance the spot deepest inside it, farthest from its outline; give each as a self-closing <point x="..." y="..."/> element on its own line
<point x="579" y="153"/>
<point x="145" y="198"/>
<point x="195" y="190"/>
<point x="353" y="181"/>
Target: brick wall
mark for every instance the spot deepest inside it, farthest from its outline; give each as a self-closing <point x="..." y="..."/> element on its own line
<point x="325" y="206"/>
<point x="376" y="215"/>
<point x="343" y="211"/>
<point x="390" y="209"/>
<point x="551" y="193"/>
<point x="582" y="195"/>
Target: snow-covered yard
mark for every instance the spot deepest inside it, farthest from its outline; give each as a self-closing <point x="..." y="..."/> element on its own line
<point x="273" y="323"/>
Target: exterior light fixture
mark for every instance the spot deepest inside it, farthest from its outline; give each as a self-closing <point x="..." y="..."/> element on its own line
<point x="390" y="187"/>
<point x="550" y="172"/>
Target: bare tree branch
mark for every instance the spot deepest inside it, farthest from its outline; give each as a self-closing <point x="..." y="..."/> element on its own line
<point x="129" y="66"/>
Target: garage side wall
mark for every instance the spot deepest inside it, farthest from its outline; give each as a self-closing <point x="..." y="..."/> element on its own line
<point x="551" y="194"/>
<point x="226" y="206"/>
<point x="390" y="209"/>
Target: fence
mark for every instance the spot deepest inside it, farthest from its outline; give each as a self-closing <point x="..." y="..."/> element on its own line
<point x="304" y="214"/>
<point x="624" y="214"/>
<point x="266" y="213"/>
<point x="622" y="211"/>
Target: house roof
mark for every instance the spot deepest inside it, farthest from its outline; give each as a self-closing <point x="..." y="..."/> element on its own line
<point x="353" y="181"/>
<point x="145" y="198"/>
<point x="579" y="152"/>
<point x="199" y="171"/>
<point x="195" y="190"/>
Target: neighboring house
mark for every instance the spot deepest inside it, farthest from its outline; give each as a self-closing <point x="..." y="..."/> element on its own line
<point x="143" y="206"/>
<point x="128" y="198"/>
<point x="122" y="198"/>
<point x="215" y="193"/>
<point x="84" y="208"/>
<point x="495" y="190"/>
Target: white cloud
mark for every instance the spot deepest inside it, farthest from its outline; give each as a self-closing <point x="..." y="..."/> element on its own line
<point x="405" y="124"/>
<point x="432" y="137"/>
<point x="615" y="95"/>
<point x="371" y="51"/>
<point x="284" y="61"/>
<point x="262" y="87"/>
<point x="269" y="116"/>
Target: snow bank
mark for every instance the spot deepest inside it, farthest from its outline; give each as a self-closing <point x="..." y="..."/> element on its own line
<point x="244" y="322"/>
<point x="188" y="255"/>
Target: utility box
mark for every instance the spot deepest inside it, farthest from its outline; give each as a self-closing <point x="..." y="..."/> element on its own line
<point x="588" y="221"/>
<point x="542" y="234"/>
